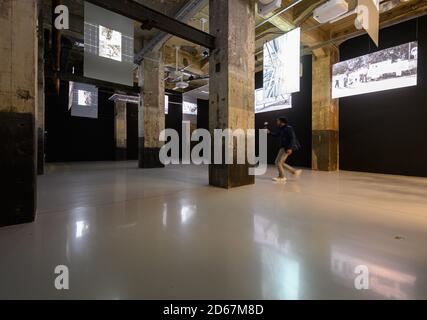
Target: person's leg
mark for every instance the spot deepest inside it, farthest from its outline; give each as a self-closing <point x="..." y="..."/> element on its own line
<point x="280" y="162"/>
<point x="292" y="170"/>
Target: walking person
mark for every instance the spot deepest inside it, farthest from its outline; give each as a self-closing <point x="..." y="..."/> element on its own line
<point x="289" y="144"/>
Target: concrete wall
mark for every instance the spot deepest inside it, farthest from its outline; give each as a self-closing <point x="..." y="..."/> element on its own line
<point x="385" y="132"/>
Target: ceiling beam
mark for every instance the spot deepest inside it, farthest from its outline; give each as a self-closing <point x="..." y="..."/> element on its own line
<point x="191" y="63"/>
<point x="273" y="15"/>
<point x="310" y="34"/>
<point x="157" y="20"/>
<point x="184" y="14"/>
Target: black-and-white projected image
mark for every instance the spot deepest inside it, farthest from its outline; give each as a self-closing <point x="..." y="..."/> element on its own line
<point x="109" y="46"/>
<point x="83" y="100"/>
<point x="388" y="69"/>
<point x="110" y="43"/>
<point x="189" y="107"/>
<point x="280" y="103"/>
<point x="189" y="103"/>
<point x="282" y="65"/>
<point x="166" y="104"/>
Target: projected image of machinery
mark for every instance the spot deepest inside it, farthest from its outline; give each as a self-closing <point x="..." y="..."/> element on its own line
<point x="282" y="65"/>
<point x="110" y="43"/>
<point x="189" y="106"/>
<point x="189" y="103"/>
<point x="273" y="104"/>
<point x="383" y="70"/>
<point x="108" y="46"/>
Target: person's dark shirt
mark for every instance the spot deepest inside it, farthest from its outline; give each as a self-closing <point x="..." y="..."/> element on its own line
<point x="287" y="136"/>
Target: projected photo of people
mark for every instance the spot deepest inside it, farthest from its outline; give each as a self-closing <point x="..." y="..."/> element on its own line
<point x="383" y="70"/>
<point x="85" y="98"/>
<point x="110" y="44"/>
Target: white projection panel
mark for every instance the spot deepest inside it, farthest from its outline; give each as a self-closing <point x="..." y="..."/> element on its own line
<point x="109" y="46"/>
<point x="282" y="65"/>
<point x="388" y="69"/>
<point x="166" y="104"/>
<point x="189" y="105"/>
<point x="83" y="100"/>
<point x="280" y="103"/>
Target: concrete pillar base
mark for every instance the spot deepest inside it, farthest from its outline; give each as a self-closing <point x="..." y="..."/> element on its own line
<point x="232" y="85"/>
<point x="41" y="96"/>
<point x="40" y="151"/>
<point x="152" y="111"/>
<point x="230" y="176"/>
<point x="121" y="154"/>
<point x="17" y="163"/>
<point x="325" y="134"/>
<point x="148" y="157"/>
<point x="325" y="150"/>
<point x="120" y="128"/>
<point x="18" y="103"/>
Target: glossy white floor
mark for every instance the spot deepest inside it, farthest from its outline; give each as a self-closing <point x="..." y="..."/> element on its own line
<point x="164" y="234"/>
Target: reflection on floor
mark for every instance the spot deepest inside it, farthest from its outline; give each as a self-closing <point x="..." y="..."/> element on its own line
<point x="165" y="234"/>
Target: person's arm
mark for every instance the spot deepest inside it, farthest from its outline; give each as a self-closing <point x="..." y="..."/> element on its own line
<point x="274" y="134"/>
<point x="267" y="128"/>
<point x="292" y="139"/>
<point x="269" y="132"/>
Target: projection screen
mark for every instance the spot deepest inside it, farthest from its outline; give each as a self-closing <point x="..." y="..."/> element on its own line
<point x="166" y="104"/>
<point x="282" y="65"/>
<point x="391" y="68"/>
<point x="280" y="103"/>
<point x="109" y="46"/>
<point x="189" y="105"/>
<point x="83" y="100"/>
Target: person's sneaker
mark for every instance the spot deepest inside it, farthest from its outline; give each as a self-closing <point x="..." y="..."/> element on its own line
<point x="280" y="179"/>
<point x="298" y="173"/>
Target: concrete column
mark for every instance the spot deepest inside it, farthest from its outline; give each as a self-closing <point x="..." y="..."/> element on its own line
<point x="120" y="130"/>
<point x="41" y="95"/>
<point x="325" y="112"/>
<point x="152" y="111"/>
<point x="18" y="104"/>
<point x="232" y="84"/>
